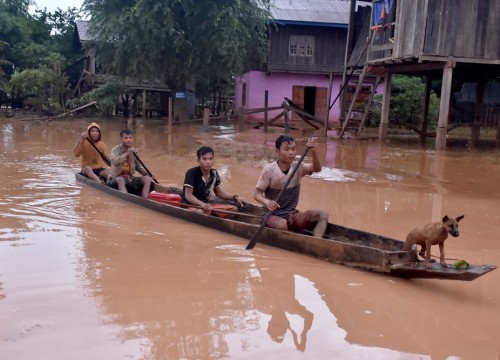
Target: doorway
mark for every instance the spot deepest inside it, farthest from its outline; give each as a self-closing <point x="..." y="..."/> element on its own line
<point x="309" y="99"/>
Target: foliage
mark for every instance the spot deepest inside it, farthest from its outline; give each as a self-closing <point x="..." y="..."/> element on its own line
<point x="43" y="42"/>
<point x="106" y="97"/>
<point x="407" y="94"/>
<point x="181" y="42"/>
<point x="42" y="88"/>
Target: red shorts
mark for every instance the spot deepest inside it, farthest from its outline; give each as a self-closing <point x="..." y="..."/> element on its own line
<point x="296" y="222"/>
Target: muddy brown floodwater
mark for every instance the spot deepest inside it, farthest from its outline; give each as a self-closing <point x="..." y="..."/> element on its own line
<point x="86" y="276"/>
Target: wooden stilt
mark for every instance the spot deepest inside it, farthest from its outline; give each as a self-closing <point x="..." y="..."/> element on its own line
<point x="444" y="106"/>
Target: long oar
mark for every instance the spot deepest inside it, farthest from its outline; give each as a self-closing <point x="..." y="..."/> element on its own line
<point x="106" y="160"/>
<point x="253" y="240"/>
<point x="145" y="168"/>
<point x="214" y="210"/>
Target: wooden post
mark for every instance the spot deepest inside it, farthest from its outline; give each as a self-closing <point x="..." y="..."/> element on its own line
<point x="241" y="119"/>
<point x="206" y="115"/>
<point x="425" y="108"/>
<point x="266" y="104"/>
<point x="384" y="116"/>
<point x="285" y="114"/>
<point x="144" y="104"/>
<point x="170" y="114"/>
<point x="348" y="52"/>
<point x="478" y="114"/>
<point x="444" y="106"/>
<point x="328" y="101"/>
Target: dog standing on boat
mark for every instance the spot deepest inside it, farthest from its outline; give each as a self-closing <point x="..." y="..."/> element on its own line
<point x="433" y="234"/>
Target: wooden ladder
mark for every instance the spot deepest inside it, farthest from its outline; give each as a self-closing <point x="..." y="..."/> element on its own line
<point x="358" y="109"/>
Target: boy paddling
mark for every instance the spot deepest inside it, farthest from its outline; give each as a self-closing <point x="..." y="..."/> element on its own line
<point x="124" y="165"/>
<point x="93" y="165"/>
<point x="273" y="177"/>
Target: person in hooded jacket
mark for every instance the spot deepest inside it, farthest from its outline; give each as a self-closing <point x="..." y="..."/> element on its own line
<point x="93" y="162"/>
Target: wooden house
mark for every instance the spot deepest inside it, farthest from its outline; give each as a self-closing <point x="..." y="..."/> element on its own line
<point x="307" y="40"/>
<point x="138" y="90"/>
<point x="438" y="39"/>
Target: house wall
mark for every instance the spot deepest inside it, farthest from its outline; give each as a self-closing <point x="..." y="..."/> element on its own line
<point x="280" y="85"/>
<point x="463" y="28"/>
<point x="458" y="28"/>
<point x="329" y="49"/>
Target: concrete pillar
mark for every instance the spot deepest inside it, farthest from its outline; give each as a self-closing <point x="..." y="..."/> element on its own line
<point x="444" y="106"/>
<point x="384" y="116"/>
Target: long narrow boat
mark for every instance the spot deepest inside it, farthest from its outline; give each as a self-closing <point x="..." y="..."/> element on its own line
<point x="341" y="245"/>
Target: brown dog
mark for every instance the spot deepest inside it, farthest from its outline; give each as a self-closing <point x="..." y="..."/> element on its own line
<point x="433" y="234"/>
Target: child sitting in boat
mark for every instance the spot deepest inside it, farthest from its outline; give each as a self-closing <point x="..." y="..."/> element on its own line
<point x="285" y="216"/>
<point x="123" y="166"/>
<point x="92" y="151"/>
<point x="202" y="181"/>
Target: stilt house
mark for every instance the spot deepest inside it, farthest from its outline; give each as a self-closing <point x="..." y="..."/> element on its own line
<point x="443" y="40"/>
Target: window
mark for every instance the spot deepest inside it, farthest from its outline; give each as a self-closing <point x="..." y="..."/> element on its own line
<point x="301" y="45"/>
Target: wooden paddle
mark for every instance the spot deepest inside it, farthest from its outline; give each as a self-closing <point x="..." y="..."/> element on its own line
<point x="104" y="158"/>
<point x="214" y="210"/>
<point x="253" y="240"/>
<point x="145" y="168"/>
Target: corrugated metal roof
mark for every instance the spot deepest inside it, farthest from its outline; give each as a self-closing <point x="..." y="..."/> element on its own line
<point x="82" y="27"/>
<point x="317" y="11"/>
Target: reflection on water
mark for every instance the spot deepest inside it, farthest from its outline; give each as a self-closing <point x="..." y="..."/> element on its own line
<point x="84" y="275"/>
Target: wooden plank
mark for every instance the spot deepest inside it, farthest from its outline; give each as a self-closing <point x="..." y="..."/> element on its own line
<point x="481" y="29"/>
<point x="461" y="60"/>
<point x="492" y="38"/>
<point x="297" y="98"/>
<point x="382" y="47"/>
<point x="419" y="271"/>
<point x="320" y="102"/>
<point x="73" y="110"/>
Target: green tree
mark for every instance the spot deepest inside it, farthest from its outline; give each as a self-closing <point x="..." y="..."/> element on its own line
<point x="179" y="42"/>
<point x="44" y="89"/>
<point x="407" y="94"/>
<point x="43" y="42"/>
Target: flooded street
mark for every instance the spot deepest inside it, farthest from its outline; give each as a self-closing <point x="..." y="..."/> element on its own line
<point x="84" y="275"/>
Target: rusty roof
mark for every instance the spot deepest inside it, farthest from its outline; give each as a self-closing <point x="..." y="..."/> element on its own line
<point x="311" y="11"/>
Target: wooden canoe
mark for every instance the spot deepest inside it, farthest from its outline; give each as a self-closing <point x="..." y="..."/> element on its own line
<point x="341" y="245"/>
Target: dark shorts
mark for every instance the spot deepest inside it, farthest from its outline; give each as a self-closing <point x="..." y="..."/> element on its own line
<point x="296" y="222"/>
<point x="98" y="171"/>
<point x="133" y="184"/>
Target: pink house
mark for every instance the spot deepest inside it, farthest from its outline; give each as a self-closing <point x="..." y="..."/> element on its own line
<point x="307" y="42"/>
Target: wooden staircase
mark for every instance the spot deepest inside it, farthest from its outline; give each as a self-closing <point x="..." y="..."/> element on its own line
<point x="359" y="106"/>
